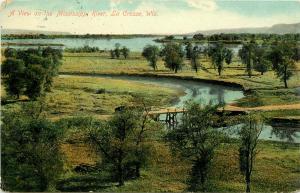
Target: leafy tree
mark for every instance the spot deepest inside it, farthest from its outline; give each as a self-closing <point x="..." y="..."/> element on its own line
<point x="246" y="55"/>
<point x="260" y="61"/>
<point x="196" y="140"/>
<point x="112" y="54"/>
<point x="121" y="142"/>
<point x="173" y="56"/>
<point x="195" y="54"/>
<point x="125" y="51"/>
<point x="249" y="135"/>
<point x="228" y="56"/>
<point x="283" y="61"/>
<point x="151" y="53"/>
<point x="199" y="36"/>
<point x="31" y="72"/>
<point x="14" y="71"/>
<point x="10" y="53"/>
<point x="117" y="50"/>
<point x="30" y="155"/>
<point x="218" y="55"/>
<point x="51" y="62"/>
<point x="188" y="50"/>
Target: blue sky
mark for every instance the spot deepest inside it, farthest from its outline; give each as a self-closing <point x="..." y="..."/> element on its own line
<point x="172" y="15"/>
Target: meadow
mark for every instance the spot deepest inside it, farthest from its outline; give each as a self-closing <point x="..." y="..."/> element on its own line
<point x="276" y="167"/>
<point x="260" y="90"/>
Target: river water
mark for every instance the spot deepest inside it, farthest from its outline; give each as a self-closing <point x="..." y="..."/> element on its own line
<point x="205" y="93"/>
<point x="134" y="44"/>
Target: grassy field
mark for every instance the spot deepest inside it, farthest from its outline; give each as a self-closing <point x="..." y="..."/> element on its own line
<point x="277" y="165"/>
<point x="77" y="96"/>
<point x="265" y="89"/>
<point x="102" y="64"/>
<point x="276" y="168"/>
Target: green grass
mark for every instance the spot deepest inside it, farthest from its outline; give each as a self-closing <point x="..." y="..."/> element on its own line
<point x="76" y="96"/>
<point x="136" y="64"/>
<point x="266" y="89"/>
<point x="277" y="166"/>
<point x="269" y="97"/>
<point x="276" y="169"/>
<point x="91" y="96"/>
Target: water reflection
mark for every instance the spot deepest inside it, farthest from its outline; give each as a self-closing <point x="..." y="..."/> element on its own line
<point x="285" y="133"/>
<point x="205" y="93"/>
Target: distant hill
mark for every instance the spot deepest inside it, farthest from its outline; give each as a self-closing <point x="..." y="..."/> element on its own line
<point x="275" y="29"/>
<point x="20" y="31"/>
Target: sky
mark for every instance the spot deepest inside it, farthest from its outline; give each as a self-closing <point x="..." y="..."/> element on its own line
<point x="166" y="16"/>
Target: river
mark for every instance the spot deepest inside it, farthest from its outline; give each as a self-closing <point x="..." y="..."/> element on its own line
<point x="134" y="44"/>
<point x="205" y="93"/>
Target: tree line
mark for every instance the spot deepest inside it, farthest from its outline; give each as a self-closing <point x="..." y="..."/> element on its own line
<point x="278" y="56"/>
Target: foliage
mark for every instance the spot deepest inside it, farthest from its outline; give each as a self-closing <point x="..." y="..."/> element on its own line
<point x="249" y="135"/>
<point x="121" y="142"/>
<point x="246" y="53"/>
<point x="125" y="52"/>
<point x="260" y="60"/>
<point x="196" y="140"/>
<point x="188" y="50"/>
<point x="228" y="56"/>
<point x="31" y="72"/>
<point x="112" y="54"/>
<point x="282" y="58"/>
<point x="10" y="53"/>
<point x="218" y="54"/>
<point x="151" y="53"/>
<point x="199" y="36"/>
<point x="195" y="54"/>
<point x="117" y="50"/>
<point x="30" y="155"/>
<point x="14" y="70"/>
<point x="84" y="49"/>
<point x="173" y="56"/>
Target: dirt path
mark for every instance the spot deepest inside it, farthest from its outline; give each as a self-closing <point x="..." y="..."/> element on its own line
<point x="264" y="108"/>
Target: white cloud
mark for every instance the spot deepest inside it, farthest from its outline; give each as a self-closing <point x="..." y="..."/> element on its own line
<point x="206" y="5"/>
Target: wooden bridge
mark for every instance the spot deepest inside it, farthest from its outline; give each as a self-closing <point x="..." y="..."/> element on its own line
<point x="171" y="113"/>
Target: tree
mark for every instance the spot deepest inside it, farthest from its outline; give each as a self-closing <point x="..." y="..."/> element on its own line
<point x="125" y="51"/>
<point x="30" y="156"/>
<point x="117" y="50"/>
<point x="151" y="53"/>
<point x="10" y="53"/>
<point x="188" y="50"/>
<point x="228" y="56"/>
<point x="31" y="72"/>
<point x="218" y="55"/>
<point x="198" y="36"/>
<point x="173" y="56"/>
<point x="196" y="140"/>
<point x="260" y="61"/>
<point x="14" y="70"/>
<point x="283" y="61"/>
<point x="194" y="58"/>
<point x="246" y="55"/>
<point x="249" y="135"/>
<point x="121" y="142"/>
<point x="112" y="54"/>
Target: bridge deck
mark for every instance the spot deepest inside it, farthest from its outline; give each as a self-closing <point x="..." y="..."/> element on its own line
<point x="230" y="108"/>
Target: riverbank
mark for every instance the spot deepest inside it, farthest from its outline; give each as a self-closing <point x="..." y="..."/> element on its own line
<point x="260" y="90"/>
